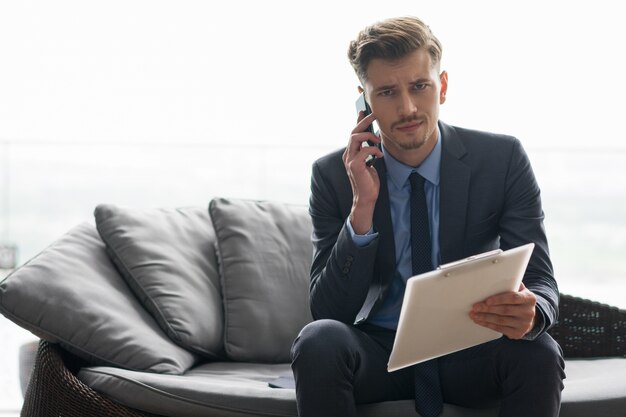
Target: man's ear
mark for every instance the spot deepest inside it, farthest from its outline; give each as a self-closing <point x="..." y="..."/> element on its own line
<point x="443" y="78"/>
<point x="360" y="89"/>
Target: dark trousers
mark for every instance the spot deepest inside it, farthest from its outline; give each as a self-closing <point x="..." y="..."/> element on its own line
<point x="337" y="366"/>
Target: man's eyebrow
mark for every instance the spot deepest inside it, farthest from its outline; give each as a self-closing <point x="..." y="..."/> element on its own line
<point x="420" y="80"/>
<point x="385" y="87"/>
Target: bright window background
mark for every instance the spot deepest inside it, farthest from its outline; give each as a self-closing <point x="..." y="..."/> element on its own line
<point x="169" y="103"/>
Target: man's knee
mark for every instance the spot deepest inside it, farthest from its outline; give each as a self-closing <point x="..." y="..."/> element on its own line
<point x="321" y="339"/>
<point x="542" y="357"/>
<point x="543" y="352"/>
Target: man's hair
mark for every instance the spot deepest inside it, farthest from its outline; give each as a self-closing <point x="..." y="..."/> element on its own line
<point x="392" y="39"/>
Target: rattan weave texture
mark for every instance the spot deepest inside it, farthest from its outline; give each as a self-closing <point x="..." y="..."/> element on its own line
<point x="588" y="329"/>
<point x="54" y="390"/>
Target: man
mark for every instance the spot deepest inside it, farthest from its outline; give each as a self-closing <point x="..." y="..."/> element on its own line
<point x="480" y="194"/>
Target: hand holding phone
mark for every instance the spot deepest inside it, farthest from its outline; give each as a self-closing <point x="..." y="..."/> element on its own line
<point x="363" y="106"/>
<point x="358" y="159"/>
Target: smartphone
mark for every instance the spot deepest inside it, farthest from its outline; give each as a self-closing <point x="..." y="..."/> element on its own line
<point x="363" y="106"/>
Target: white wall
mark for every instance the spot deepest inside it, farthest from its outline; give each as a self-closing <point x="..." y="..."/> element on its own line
<point x="167" y="103"/>
<point x="275" y="72"/>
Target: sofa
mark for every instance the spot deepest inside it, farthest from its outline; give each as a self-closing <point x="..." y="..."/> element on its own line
<point x="192" y="312"/>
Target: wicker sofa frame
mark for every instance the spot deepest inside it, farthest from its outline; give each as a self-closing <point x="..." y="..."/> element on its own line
<point x="586" y="329"/>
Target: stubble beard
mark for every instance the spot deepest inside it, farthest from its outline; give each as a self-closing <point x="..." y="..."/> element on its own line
<point x="417" y="143"/>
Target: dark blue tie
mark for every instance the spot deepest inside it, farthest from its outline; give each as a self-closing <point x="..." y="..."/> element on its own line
<point x="428" y="400"/>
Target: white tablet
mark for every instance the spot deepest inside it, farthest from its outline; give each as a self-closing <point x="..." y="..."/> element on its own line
<point x="434" y="319"/>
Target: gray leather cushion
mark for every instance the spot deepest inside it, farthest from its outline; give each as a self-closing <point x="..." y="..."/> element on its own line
<point x="593" y="388"/>
<point x="71" y="294"/>
<point x="224" y="389"/>
<point x="167" y="256"/>
<point x="264" y="253"/>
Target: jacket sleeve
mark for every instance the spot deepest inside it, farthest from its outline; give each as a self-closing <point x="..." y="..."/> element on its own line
<point x="522" y="222"/>
<point x="341" y="271"/>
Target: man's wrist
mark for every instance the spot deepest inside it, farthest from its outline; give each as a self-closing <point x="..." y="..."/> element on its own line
<point x="537" y="326"/>
<point x="361" y="240"/>
<point x="361" y="219"/>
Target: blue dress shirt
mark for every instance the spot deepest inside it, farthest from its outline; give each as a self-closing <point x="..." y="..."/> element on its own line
<point x="399" y="200"/>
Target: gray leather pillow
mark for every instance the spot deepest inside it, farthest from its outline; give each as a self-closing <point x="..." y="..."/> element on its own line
<point x="264" y="252"/>
<point x="71" y="294"/>
<point x="168" y="258"/>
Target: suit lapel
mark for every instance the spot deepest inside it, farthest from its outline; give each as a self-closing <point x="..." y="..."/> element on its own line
<point x="453" y="197"/>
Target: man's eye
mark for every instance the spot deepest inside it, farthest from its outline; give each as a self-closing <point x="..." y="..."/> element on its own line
<point x="420" y="86"/>
<point x="386" y="92"/>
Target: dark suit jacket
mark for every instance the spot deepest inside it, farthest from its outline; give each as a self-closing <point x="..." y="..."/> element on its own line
<point x="489" y="199"/>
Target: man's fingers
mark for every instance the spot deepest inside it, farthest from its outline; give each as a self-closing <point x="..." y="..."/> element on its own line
<point x="356" y="149"/>
<point x="363" y="122"/>
<point x="523" y="296"/>
<point x="502" y="309"/>
<point x="511" y="314"/>
<point x="511" y="326"/>
<point x="509" y="331"/>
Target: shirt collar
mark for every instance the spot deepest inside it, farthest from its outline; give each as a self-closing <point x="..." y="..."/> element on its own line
<point x="429" y="168"/>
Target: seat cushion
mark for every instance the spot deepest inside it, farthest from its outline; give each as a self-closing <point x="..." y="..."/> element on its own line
<point x="72" y="294"/>
<point x="222" y="389"/>
<point x="168" y="258"/>
<point x="264" y="252"/>
<point x="228" y="390"/>
<point x="592" y="388"/>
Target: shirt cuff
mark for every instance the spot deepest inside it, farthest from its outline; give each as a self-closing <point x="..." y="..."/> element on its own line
<point x="361" y="240"/>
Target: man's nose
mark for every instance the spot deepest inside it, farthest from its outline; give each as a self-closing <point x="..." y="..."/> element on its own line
<point x="406" y="106"/>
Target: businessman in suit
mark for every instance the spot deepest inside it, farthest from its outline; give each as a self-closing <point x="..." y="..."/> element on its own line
<point x="478" y="192"/>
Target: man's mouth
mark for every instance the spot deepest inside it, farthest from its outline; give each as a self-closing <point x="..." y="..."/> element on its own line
<point x="409" y="127"/>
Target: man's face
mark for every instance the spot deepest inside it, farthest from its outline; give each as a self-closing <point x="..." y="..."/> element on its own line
<point x="405" y="95"/>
